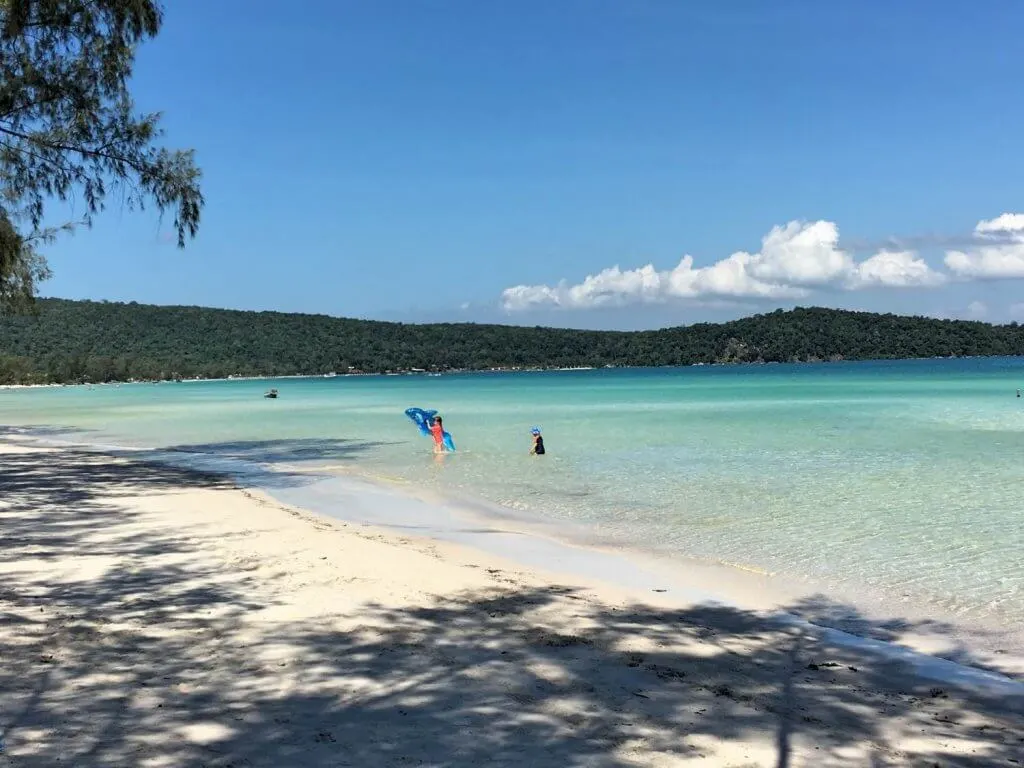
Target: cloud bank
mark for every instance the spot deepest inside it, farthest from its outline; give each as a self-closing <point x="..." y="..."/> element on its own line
<point x="1000" y="254"/>
<point x="794" y="261"/>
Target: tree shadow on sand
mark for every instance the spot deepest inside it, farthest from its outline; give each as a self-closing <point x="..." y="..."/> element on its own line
<point x="75" y="476"/>
<point x="285" y="451"/>
<point x="273" y="463"/>
<point x="84" y="471"/>
<point x="143" y="659"/>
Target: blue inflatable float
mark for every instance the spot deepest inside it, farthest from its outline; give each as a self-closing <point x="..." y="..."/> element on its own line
<point x="424" y="419"/>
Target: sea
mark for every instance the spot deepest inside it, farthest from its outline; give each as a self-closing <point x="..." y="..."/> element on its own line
<point x="898" y="479"/>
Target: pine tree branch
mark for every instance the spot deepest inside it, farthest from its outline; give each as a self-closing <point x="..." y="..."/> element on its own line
<point x="84" y="151"/>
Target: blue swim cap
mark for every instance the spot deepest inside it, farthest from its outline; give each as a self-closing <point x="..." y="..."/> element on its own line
<point x="534" y="430"/>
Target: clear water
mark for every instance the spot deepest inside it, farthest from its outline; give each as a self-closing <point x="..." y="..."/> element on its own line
<point x="904" y="478"/>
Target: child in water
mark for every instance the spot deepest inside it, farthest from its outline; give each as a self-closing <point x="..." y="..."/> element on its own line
<point x="538" y="442"/>
<point x="437" y="431"/>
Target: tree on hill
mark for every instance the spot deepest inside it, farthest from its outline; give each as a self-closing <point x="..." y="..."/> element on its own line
<point x="78" y="341"/>
<point x="68" y="126"/>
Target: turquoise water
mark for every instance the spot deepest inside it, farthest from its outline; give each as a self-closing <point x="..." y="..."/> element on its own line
<point x="904" y="478"/>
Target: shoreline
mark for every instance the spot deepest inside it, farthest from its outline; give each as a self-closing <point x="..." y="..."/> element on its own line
<point x="563" y="550"/>
<point x="155" y="616"/>
<point x="512" y="369"/>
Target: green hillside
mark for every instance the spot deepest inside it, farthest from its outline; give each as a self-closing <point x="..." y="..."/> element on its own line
<point x="73" y="341"/>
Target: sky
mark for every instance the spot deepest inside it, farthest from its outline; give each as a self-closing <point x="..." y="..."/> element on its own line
<point x="584" y="163"/>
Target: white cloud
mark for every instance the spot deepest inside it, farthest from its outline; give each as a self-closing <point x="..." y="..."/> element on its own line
<point x="1016" y="312"/>
<point x="1006" y="222"/>
<point x="794" y="260"/>
<point x="896" y="269"/>
<point x="1002" y="257"/>
<point x="977" y="309"/>
<point x="801" y="254"/>
<point x="729" y="278"/>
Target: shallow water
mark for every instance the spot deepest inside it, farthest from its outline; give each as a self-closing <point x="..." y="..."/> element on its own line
<point x="902" y="479"/>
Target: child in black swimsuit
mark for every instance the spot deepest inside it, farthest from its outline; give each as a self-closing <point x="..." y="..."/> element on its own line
<point x="538" y="442"/>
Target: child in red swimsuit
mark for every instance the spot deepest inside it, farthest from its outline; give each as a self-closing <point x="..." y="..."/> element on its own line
<point x="437" y="430"/>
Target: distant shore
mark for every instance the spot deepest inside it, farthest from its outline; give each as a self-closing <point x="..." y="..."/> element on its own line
<point x="481" y="371"/>
<point x="411" y="372"/>
<point x="191" y="621"/>
<point x="108" y="341"/>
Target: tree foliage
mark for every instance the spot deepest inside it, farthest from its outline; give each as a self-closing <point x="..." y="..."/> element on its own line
<point x="71" y="341"/>
<point x="69" y="128"/>
<point x="21" y="269"/>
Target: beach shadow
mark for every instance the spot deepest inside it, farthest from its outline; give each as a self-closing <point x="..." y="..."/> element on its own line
<point x="500" y="681"/>
<point x="268" y="464"/>
<point x="15" y="434"/>
<point x="62" y="477"/>
<point x="82" y="472"/>
<point x="62" y="506"/>
<point x="143" y="658"/>
<point x="291" y="450"/>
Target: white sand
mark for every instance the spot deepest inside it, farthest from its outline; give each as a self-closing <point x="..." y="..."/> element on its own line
<point x="150" y="617"/>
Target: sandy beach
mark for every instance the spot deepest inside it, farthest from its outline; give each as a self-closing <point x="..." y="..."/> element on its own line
<point x="151" y="616"/>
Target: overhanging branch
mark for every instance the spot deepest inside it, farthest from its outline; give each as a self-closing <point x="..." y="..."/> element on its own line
<point x="84" y="151"/>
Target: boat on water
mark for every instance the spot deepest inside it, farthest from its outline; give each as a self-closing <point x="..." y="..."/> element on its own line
<point x="272" y="394"/>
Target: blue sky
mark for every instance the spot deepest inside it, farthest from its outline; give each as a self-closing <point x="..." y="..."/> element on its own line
<point x="417" y="159"/>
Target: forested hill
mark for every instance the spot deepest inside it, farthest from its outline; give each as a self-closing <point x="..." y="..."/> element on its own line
<point x="98" y="341"/>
